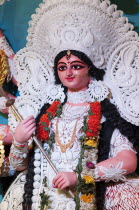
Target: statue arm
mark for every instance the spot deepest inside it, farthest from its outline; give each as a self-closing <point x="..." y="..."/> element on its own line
<point x="115" y="168"/>
<point x="20" y="147"/>
<point x="122" y="160"/>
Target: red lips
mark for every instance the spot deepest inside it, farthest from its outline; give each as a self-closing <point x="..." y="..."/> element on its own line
<point x="70" y="79"/>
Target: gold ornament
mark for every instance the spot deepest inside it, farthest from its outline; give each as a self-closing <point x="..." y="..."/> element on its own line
<point x="64" y="147"/>
<point x="4" y="68"/>
<point x="5" y="167"/>
<point x="68" y="54"/>
<point x="2" y="152"/>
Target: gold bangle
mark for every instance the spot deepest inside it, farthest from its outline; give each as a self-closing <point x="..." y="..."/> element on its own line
<point x="2" y="152"/>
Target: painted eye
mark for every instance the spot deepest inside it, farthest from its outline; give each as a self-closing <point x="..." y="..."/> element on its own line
<point x="77" y="67"/>
<point x="62" y="68"/>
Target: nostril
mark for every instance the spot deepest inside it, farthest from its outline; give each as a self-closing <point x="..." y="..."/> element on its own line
<point x="69" y="72"/>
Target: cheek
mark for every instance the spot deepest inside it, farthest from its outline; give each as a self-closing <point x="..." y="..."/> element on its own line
<point x="82" y="76"/>
<point x="81" y="72"/>
<point x="85" y="80"/>
<point x="82" y="81"/>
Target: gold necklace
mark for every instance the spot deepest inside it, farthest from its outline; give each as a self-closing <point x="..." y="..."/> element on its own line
<point x="63" y="147"/>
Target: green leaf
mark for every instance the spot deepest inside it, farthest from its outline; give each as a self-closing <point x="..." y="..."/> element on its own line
<point x="77" y="200"/>
<point x="90" y="113"/>
<point x="44" y="200"/>
<point x="50" y="116"/>
<point x="46" y="129"/>
<point x="59" y="112"/>
<point x="57" y="99"/>
<point x="84" y="128"/>
<point x="43" y="123"/>
<point x="81" y="138"/>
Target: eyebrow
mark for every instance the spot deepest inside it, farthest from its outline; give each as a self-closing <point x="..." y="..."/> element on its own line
<point x="72" y="62"/>
<point x="61" y="63"/>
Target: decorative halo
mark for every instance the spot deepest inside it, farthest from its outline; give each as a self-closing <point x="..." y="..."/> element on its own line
<point x="94" y="27"/>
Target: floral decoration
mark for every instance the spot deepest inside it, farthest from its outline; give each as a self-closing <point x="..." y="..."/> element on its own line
<point x="90" y="165"/>
<point x="44" y="123"/>
<point x="88" y="179"/>
<point x="85" y="197"/>
<point x="85" y="189"/>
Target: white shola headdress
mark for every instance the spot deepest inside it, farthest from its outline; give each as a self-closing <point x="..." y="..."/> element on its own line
<point x="92" y="26"/>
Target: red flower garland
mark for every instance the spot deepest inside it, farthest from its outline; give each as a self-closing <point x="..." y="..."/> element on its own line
<point x="44" y="123"/>
<point x="94" y="119"/>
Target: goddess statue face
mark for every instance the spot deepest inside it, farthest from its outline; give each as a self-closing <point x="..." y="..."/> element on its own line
<point x="73" y="73"/>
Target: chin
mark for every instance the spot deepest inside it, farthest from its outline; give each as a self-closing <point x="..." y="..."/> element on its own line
<point x="75" y="89"/>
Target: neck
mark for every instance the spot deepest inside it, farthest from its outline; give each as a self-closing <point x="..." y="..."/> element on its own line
<point x="77" y="90"/>
<point x="77" y="97"/>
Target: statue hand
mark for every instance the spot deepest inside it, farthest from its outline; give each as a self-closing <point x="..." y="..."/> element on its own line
<point x="25" y="129"/>
<point x="65" y="180"/>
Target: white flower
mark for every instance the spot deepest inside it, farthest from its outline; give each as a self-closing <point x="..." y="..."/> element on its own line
<point x="54" y="92"/>
<point x="97" y="91"/>
<point x="114" y="173"/>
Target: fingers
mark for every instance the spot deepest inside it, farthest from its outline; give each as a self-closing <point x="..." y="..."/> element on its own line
<point x="25" y="129"/>
<point x="65" y="179"/>
<point x="28" y="120"/>
<point x="57" y="182"/>
<point x="63" y="186"/>
<point x="56" y="177"/>
<point x="31" y="130"/>
<point x="61" y="183"/>
<point x="31" y="127"/>
<point x="29" y="124"/>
